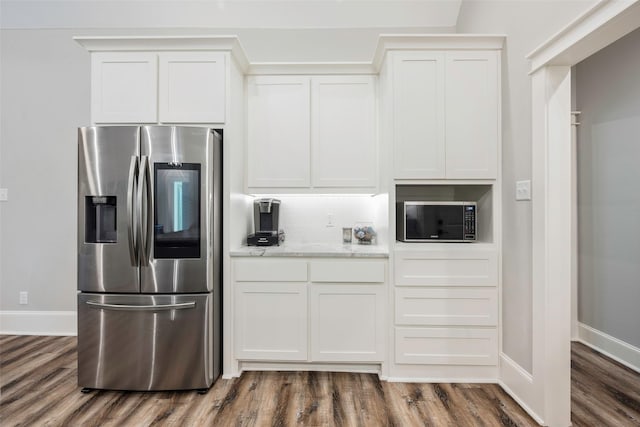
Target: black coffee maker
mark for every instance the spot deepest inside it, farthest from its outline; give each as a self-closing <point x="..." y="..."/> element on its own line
<point x="266" y="215"/>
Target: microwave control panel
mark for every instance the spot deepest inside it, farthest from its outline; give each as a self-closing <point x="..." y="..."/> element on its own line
<point x="470" y="222"/>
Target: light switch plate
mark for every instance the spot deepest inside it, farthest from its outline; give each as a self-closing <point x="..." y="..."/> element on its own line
<point x="523" y="190"/>
<point x="4" y="194"/>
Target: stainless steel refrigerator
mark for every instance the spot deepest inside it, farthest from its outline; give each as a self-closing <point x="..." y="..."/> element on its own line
<point x="149" y="277"/>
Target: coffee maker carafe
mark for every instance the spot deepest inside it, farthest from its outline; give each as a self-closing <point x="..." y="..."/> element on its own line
<point x="266" y="216"/>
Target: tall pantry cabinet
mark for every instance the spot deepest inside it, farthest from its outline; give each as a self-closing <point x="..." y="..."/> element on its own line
<point x="440" y="120"/>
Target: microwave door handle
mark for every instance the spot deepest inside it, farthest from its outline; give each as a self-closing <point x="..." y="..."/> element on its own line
<point x="131" y="209"/>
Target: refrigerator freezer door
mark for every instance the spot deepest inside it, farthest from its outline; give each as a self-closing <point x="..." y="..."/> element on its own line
<point x="107" y="164"/>
<point x="145" y="342"/>
<point x="179" y="214"/>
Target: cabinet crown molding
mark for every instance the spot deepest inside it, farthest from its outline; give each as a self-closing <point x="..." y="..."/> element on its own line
<point x="388" y="42"/>
<point x="166" y="43"/>
<point x="310" y="68"/>
<point x="231" y="43"/>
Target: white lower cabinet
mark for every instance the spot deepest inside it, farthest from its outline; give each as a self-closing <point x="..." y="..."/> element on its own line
<point x="446" y="307"/>
<point x="271" y="321"/>
<point x="309" y="310"/>
<point x="347" y="322"/>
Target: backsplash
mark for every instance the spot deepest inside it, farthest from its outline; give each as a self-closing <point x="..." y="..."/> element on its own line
<point x="320" y="219"/>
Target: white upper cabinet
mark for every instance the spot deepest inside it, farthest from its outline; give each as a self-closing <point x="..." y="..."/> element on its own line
<point x="152" y="87"/>
<point x="446" y="114"/>
<point x="472" y="114"/>
<point x="311" y="132"/>
<point x="191" y="87"/>
<point x="278" y="132"/>
<point x="343" y="131"/>
<point x="419" y="125"/>
<point x="124" y="87"/>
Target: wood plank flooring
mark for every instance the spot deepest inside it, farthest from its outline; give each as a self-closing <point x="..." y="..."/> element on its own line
<point x="38" y="387"/>
<point x="603" y="392"/>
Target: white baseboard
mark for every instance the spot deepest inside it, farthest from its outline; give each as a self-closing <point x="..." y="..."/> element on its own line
<point x="518" y="383"/>
<point x="38" y="323"/>
<point x="612" y="347"/>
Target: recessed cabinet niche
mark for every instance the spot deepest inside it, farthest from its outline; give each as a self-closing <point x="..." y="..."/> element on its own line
<point x="152" y="87"/>
<point x="482" y="194"/>
<point x="311" y="132"/>
<point x="446" y="114"/>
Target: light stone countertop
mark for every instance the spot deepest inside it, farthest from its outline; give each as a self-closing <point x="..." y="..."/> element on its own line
<point x="325" y="250"/>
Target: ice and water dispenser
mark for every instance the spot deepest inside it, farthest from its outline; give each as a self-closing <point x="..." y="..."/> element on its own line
<point x="101" y="219"/>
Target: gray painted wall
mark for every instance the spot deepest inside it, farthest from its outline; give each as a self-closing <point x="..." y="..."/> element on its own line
<point x="44" y="87"/>
<point x="526" y="24"/>
<point x="44" y="83"/>
<point x="608" y="95"/>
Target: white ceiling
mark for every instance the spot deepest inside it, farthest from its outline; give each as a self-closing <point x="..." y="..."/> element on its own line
<point x="228" y="13"/>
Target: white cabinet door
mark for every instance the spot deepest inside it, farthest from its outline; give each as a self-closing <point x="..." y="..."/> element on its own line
<point x="419" y="108"/>
<point x="472" y="116"/>
<point x="124" y="87"/>
<point x="278" y="132"/>
<point x="192" y="87"/>
<point x="271" y="321"/>
<point x="347" y="323"/>
<point x="343" y="131"/>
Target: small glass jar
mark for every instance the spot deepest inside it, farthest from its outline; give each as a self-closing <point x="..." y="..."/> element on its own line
<point x="364" y="233"/>
<point x="347" y="232"/>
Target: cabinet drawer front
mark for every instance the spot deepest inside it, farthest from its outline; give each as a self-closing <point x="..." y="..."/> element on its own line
<point x="347" y="271"/>
<point x="459" y="268"/>
<point x="446" y="346"/>
<point x="270" y="270"/>
<point x="455" y="307"/>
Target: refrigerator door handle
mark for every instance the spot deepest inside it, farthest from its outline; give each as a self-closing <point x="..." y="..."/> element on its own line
<point x="131" y="220"/>
<point x="149" y="214"/>
<point x="144" y="205"/>
<point x="129" y="307"/>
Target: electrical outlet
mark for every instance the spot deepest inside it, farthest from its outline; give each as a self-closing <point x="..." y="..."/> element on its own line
<point x="330" y="220"/>
<point x="523" y="190"/>
<point x="24" y="298"/>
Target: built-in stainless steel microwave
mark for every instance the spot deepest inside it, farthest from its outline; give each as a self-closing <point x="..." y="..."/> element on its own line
<point x="436" y="221"/>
